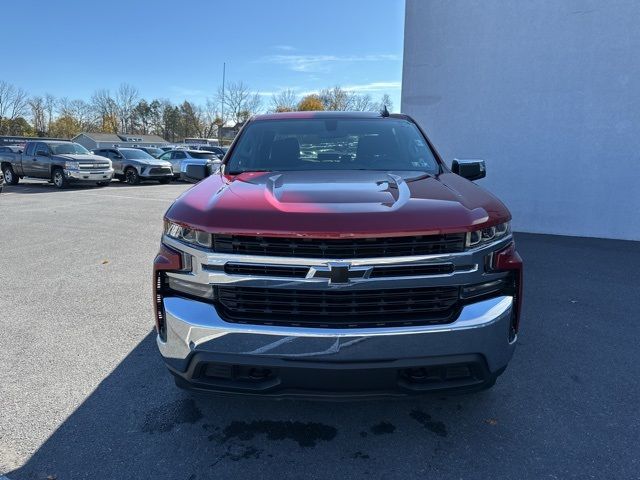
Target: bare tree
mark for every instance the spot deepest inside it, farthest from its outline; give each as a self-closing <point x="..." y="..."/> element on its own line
<point x="14" y="103"/>
<point x="80" y="111"/>
<point x="106" y="110"/>
<point x="50" y="107"/>
<point x="211" y="119"/>
<point x="385" y="100"/>
<point x="284" y="101"/>
<point x="337" y="98"/>
<point x="240" y="102"/>
<point x="126" y="99"/>
<point x="362" y="103"/>
<point x="38" y="115"/>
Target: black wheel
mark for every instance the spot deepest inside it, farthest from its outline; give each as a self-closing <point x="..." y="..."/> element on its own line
<point x="58" y="178"/>
<point x="164" y="181"/>
<point x="102" y="184"/>
<point x="10" y="178"/>
<point x="131" y="176"/>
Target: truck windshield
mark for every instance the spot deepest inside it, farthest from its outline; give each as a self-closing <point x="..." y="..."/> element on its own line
<point x="154" y="152"/>
<point x="332" y="144"/>
<point x="68" y="148"/>
<point x="134" y="153"/>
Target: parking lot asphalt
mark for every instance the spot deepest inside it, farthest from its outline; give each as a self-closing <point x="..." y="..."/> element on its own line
<point x="84" y="394"/>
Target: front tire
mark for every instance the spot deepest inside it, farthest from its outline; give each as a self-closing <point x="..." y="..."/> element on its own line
<point x="10" y="178"/>
<point x="131" y="176"/>
<point x="59" y="181"/>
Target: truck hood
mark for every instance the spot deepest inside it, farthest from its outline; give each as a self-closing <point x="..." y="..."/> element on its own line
<point x="79" y="157"/>
<point x="337" y="204"/>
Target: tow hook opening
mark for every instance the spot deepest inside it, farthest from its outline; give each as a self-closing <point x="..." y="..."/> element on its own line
<point x="438" y="374"/>
<point x="259" y="373"/>
<point x="239" y="373"/>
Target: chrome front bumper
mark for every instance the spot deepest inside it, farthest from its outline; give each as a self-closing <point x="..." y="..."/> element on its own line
<point x="194" y="327"/>
<point x="89" y="176"/>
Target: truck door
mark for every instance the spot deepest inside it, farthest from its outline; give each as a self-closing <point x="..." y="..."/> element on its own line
<point x="41" y="165"/>
<point x="117" y="161"/>
<point x="29" y="160"/>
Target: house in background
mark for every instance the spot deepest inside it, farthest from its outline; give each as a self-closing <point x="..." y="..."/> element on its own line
<point x="92" y="141"/>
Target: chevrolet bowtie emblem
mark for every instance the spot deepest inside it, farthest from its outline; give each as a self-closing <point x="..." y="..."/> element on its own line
<point x="339" y="272"/>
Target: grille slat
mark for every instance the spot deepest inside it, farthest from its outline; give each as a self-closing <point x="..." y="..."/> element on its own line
<point x="412" y="270"/>
<point x="341" y="308"/>
<point x="340" y="248"/>
<point x="266" y="270"/>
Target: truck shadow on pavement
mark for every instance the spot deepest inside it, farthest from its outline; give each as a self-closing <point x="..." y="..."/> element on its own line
<point x="137" y="424"/>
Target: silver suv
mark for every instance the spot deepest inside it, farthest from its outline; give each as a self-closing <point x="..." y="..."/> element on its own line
<point x="180" y="159"/>
<point x="132" y="165"/>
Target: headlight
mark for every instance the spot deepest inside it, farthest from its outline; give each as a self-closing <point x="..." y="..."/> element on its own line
<point x="71" y="165"/>
<point x="188" y="235"/>
<point x="487" y="235"/>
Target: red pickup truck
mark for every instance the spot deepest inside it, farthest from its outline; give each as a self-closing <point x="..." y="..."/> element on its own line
<point x="334" y="254"/>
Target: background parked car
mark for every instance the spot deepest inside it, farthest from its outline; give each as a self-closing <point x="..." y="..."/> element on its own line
<point x="132" y="165"/>
<point x="155" y="152"/>
<point x="11" y="149"/>
<point x="219" y="151"/>
<point x="179" y="159"/>
<point x="8" y="149"/>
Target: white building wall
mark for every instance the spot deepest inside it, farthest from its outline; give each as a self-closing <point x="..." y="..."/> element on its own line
<point x="547" y="92"/>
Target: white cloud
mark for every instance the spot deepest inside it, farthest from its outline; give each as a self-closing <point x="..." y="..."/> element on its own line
<point x="373" y="87"/>
<point x="284" y="48"/>
<point x="323" y="63"/>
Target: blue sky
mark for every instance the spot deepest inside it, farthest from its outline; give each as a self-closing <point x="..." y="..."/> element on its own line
<point x="175" y="50"/>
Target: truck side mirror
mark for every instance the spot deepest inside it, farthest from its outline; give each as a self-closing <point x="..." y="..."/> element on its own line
<point x="469" y="169"/>
<point x="42" y="153"/>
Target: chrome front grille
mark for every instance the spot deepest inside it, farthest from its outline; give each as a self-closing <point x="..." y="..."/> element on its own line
<point x="93" y="166"/>
<point x="337" y="291"/>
